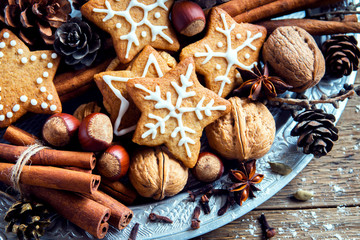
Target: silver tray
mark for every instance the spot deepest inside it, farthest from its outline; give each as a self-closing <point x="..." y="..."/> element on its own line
<point x="180" y="209"/>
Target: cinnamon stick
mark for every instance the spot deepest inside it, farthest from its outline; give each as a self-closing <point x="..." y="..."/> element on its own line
<point x="70" y="81"/>
<point x="51" y="157"/>
<point x="278" y="7"/>
<point x="18" y="136"/>
<point x="118" y="191"/>
<point x="235" y="7"/>
<point x="120" y="214"/>
<point x="83" y="212"/>
<point x="314" y="27"/>
<point x="77" y="92"/>
<point x="52" y="177"/>
<point x="79" y="169"/>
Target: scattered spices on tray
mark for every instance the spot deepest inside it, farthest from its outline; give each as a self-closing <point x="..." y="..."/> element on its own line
<point x="200" y="191"/>
<point x="134" y="232"/>
<point x="158" y="218"/>
<point x="195" y="222"/>
<point x="244" y="181"/>
<point x="280" y="168"/>
<point x="204" y="202"/>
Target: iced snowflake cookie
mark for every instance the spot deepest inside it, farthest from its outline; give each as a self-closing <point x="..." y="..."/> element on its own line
<point x="112" y="84"/>
<point x="174" y="111"/>
<point x="133" y="24"/>
<point x="226" y="46"/>
<point x="26" y="80"/>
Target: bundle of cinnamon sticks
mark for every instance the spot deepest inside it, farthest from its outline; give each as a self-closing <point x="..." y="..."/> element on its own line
<point x="255" y="11"/>
<point x="63" y="179"/>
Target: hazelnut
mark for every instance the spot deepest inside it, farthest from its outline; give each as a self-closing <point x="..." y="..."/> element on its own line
<point x="155" y="173"/>
<point x="95" y="132"/>
<point x="59" y="129"/>
<point x="208" y="168"/>
<point x="188" y="18"/>
<point x="113" y="163"/>
<point x="295" y="57"/>
<point x="247" y="132"/>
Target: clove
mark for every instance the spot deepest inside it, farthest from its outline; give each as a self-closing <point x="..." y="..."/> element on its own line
<point x="204" y="202"/>
<point x="195" y="222"/>
<point x="200" y="191"/>
<point x="154" y="217"/>
<point x="268" y="231"/>
<point x="134" y="232"/>
<point x="229" y="202"/>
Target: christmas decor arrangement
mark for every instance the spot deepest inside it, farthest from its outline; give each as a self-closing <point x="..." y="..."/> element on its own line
<point x="132" y="130"/>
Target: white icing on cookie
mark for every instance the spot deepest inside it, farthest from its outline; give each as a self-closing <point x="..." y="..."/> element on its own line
<point x="176" y="110"/>
<point x="231" y="54"/>
<point x="131" y="37"/>
<point x="124" y="105"/>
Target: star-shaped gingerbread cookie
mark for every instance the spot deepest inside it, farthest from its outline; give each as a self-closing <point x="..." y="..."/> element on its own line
<point x="174" y="111"/>
<point x="26" y="80"/>
<point x="226" y="46"/>
<point x="133" y="24"/>
<point x="112" y="84"/>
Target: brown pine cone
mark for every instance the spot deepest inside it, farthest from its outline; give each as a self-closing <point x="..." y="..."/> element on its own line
<point x="341" y="55"/>
<point x="316" y="132"/>
<point x="35" y="21"/>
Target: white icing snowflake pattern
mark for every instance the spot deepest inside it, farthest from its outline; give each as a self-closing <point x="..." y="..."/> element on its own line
<point x="177" y="111"/>
<point x="231" y="54"/>
<point x="131" y="36"/>
<point x="124" y="105"/>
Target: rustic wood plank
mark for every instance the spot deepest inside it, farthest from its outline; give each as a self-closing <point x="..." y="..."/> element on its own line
<point x="321" y="223"/>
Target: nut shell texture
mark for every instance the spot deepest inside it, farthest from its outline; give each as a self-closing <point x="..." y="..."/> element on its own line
<point x="247" y="132"/>
<point x="295" y="57"/>
<point x="154" y="173"/>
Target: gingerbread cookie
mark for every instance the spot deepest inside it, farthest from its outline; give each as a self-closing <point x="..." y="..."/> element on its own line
<point x="26" y="80"/>
<point x="112" y="84"/>
<point x="226" y="46"/>
<point x="174" y="111"/>
<point x="133" y="24"/>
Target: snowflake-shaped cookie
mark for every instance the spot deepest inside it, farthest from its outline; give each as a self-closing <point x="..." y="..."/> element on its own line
<point x="174" y="111"/>
<point x="123" y="112"/>
<point x="26" y="80"/>
<point x="226" y="46"/>
<point x="133" y="24"/>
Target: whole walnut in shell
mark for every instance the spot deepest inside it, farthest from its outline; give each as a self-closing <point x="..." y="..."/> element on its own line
<point x="295" y="57"/>
<point x="247" y="132"/>
<point x="156" y="174"/>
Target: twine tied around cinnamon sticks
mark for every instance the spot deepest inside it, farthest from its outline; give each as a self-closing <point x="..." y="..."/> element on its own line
<point x="21" y="162"/>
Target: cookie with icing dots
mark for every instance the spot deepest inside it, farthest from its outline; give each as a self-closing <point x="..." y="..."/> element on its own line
<point x="112" y="84"/>
<point x="226" y="46"/>
<point x="174" y="111"/>
<point x="133" y="24"/>
<point x="26" y="80"/>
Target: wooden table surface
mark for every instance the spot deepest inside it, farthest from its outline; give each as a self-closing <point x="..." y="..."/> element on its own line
<point x="334" y="211"/>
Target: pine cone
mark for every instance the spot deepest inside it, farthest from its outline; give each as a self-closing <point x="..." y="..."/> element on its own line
<point x="316" y="132"/>
<point x="35" y="21"/>
<point x="77" y="42"/>
<point x="341" y="55"/>
<point x="27" y="219"/>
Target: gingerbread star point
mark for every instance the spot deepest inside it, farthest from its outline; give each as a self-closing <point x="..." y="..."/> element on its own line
<point x="133" y="24"/>
<point x="116" y="99"/>
<point x="26" y="80"/>
<point x="174" y="111"/>
<point x="226" y="46"/>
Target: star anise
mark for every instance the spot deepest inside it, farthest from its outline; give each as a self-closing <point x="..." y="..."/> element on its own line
<point x="258" y="85"/>
<point x="244" y="181"/>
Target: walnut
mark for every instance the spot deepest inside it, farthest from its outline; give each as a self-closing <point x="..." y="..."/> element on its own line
<point x="155" y="173"/>
<point x="295" y="57"/>
<point x="247" y="132"/>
